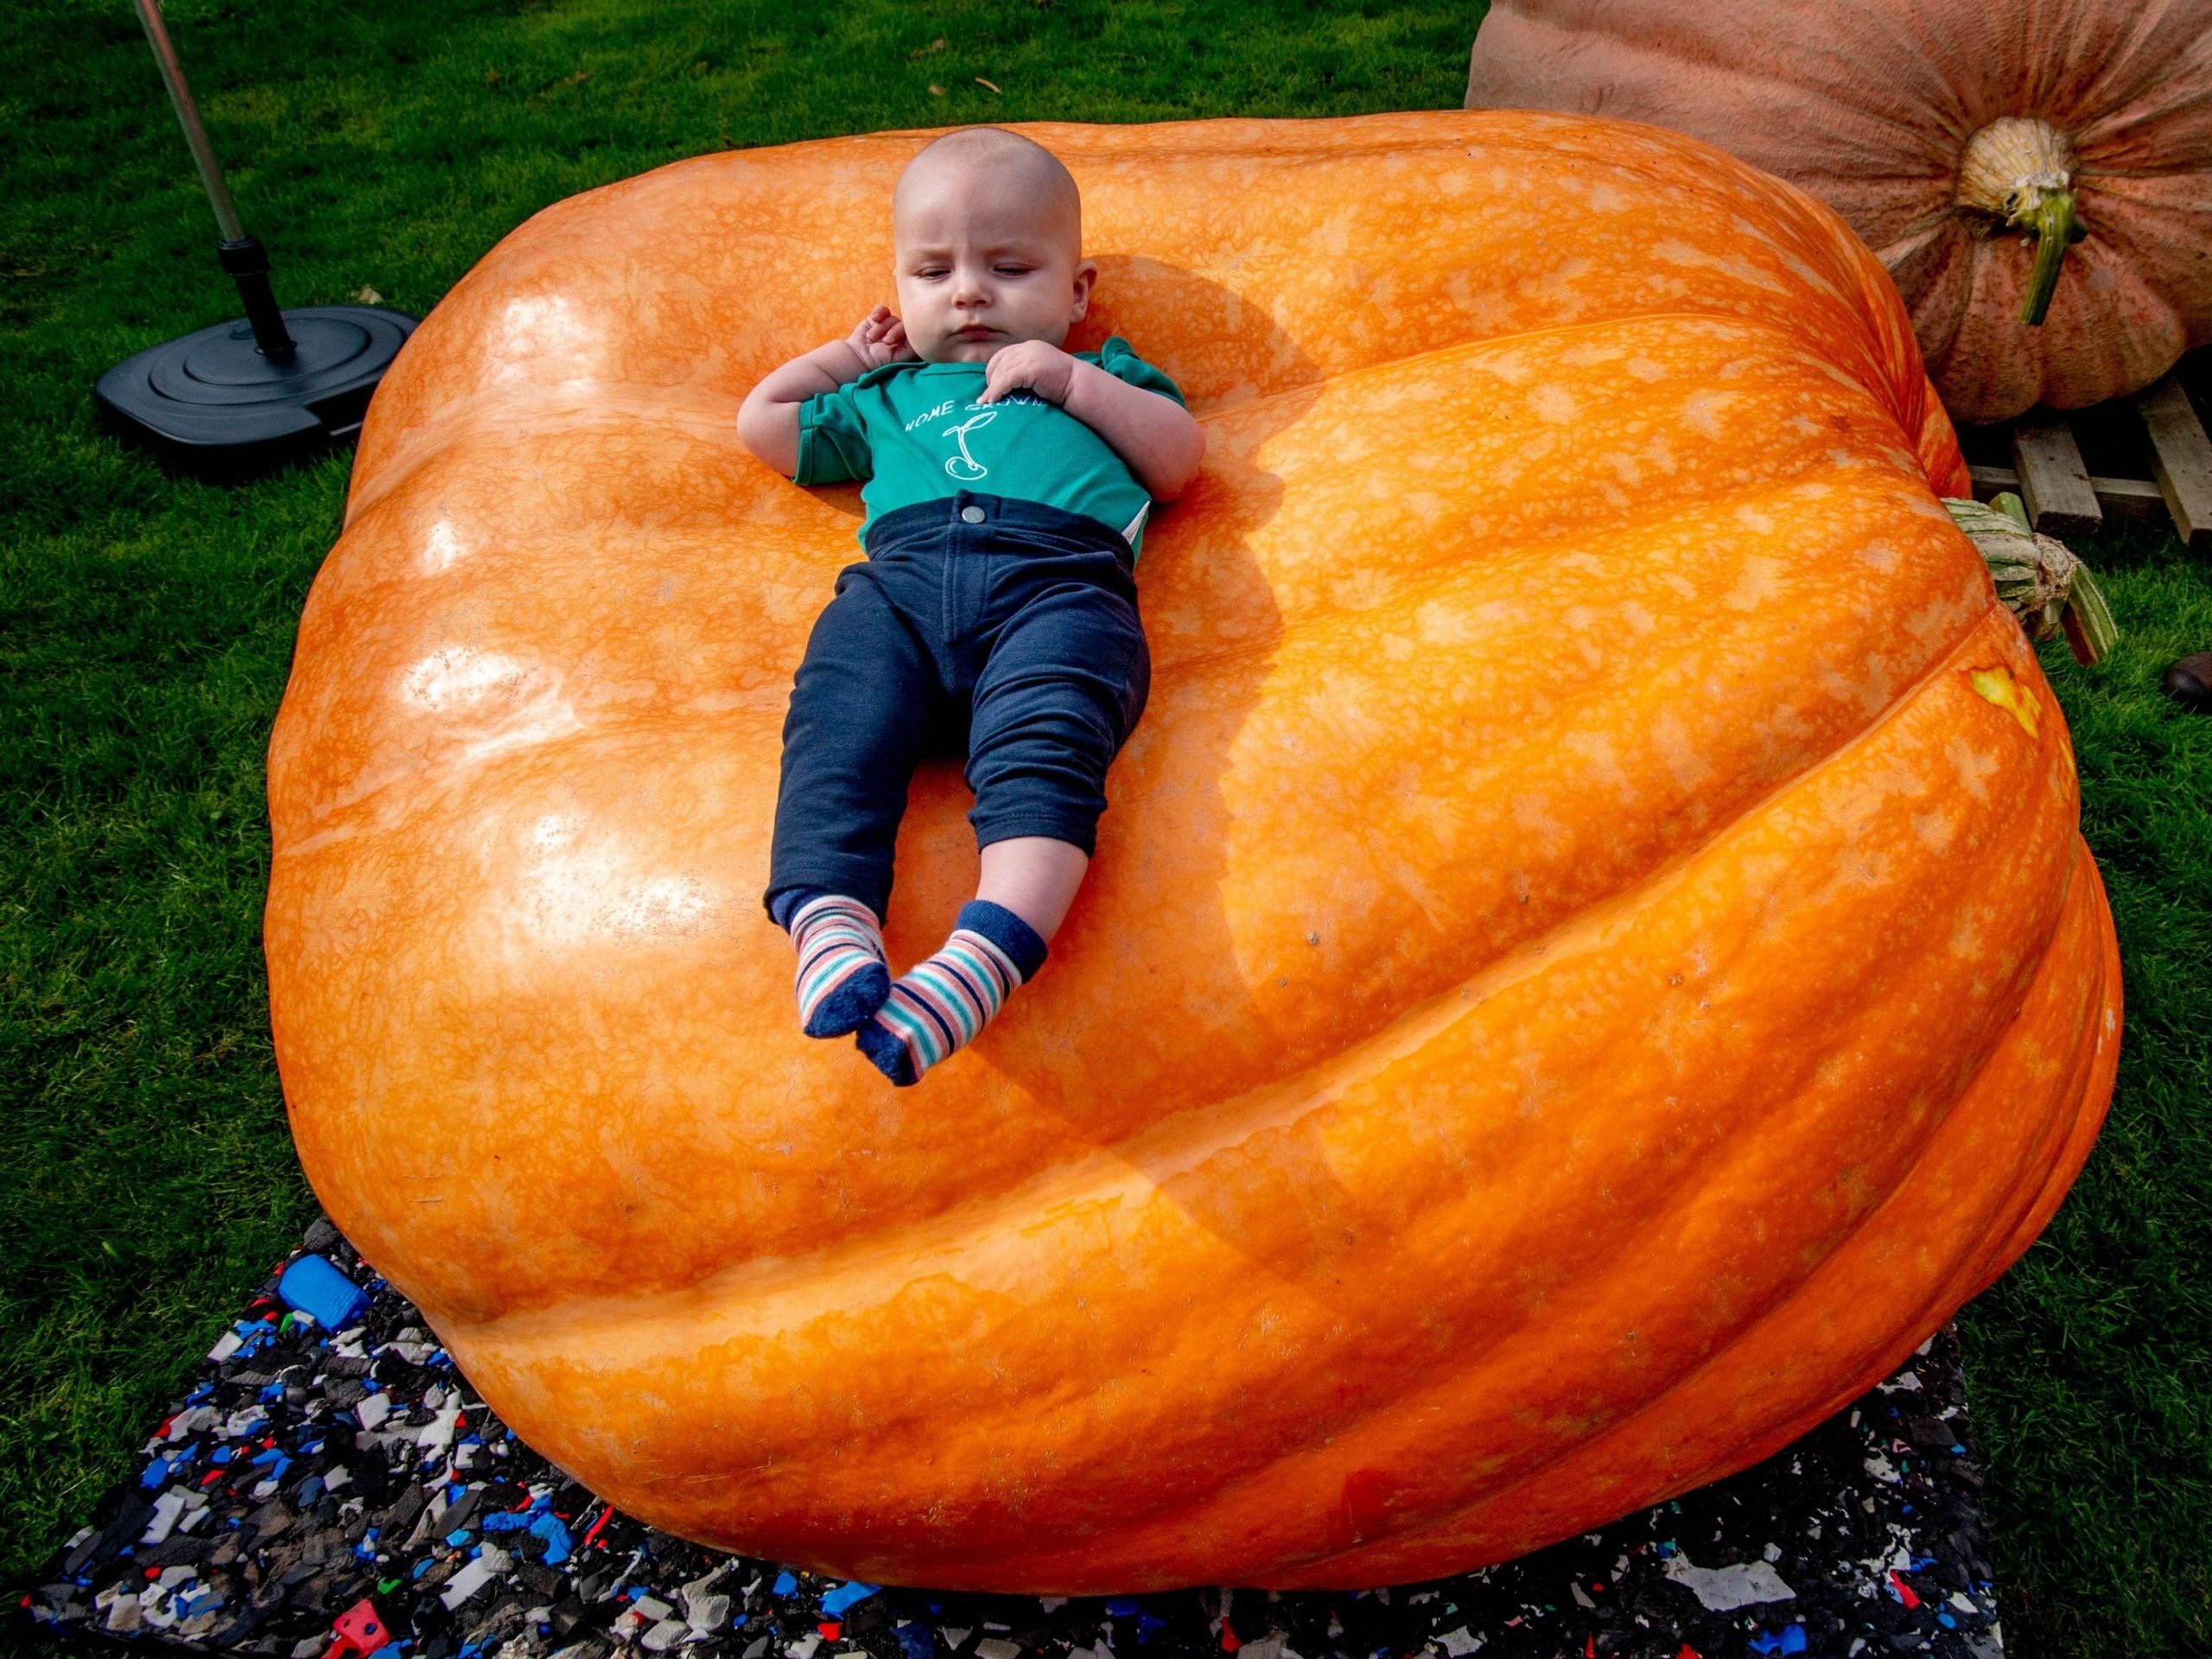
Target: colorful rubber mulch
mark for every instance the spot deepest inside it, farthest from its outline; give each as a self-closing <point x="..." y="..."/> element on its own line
<point x="347" y="1495"/>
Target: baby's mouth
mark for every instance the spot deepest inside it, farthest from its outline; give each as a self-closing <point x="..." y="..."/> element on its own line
<point x="976" y="331"/>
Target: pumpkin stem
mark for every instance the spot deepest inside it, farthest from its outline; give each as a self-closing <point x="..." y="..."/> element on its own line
<point x="2019" y="171"/>
<point x="2090" y="630"/>
<point x="2037" y="577"/>
<point x="2050" y="215"/>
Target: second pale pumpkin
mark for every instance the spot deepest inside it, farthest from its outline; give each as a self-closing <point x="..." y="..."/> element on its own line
<point x="1589" y="961"/>
<point x="1967" y="141"/>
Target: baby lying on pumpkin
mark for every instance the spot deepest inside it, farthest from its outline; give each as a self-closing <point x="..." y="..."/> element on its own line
<point x="1007" y="486"/>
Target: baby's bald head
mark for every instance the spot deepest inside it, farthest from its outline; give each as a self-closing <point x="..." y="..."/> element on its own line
<point x="987" y="234"/>
<point x="991" y="169"/>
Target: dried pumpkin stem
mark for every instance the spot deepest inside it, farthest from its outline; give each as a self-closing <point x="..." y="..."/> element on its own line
<point x="2019" y="172"/>
<point x="2086" y="619"/>
<point x="2037" y="578"/>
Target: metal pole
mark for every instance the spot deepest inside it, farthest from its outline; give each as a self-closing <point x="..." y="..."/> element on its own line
<point x="187" y="116"/>
<point x="241" y="255"/>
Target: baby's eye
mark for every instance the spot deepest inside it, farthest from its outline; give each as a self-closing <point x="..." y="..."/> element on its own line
<point x="1014" y="271"/>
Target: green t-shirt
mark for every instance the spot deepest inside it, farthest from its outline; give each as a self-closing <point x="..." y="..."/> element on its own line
<point x="916" y="433"/>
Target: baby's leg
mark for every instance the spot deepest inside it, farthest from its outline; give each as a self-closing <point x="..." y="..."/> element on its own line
<point x="1067" y="681"/>
<point x="859" y="717"/>
<point x="1035" y="877"/>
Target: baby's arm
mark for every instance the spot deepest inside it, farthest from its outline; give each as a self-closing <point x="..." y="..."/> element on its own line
<point x="767" y="421"/>
<point x="1156" y="436"/>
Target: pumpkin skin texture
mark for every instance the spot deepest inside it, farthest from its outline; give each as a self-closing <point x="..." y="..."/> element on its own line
<point x="1877" y="110"/>
<point x="1591" y="959"/>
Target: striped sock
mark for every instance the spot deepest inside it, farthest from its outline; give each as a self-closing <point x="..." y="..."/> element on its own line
<point x="941" y="1004"/>
<point x="842" y="976"/>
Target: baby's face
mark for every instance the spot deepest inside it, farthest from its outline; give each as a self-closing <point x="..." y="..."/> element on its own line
<point x="986" y="254"/>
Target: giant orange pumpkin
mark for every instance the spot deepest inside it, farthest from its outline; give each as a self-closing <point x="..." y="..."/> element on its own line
<point x="1590" y="960"/>
<point x="1964" y="140"/>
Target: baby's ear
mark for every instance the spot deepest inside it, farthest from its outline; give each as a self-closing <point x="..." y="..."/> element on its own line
<point x="1086" y="276"/>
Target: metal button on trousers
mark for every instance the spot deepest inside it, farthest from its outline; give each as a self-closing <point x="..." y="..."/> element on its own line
<point x="971" y="515"/>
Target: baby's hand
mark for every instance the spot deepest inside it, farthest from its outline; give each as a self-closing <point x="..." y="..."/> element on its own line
<point x="880" y="338"/>
<point x="1042" y="368"/>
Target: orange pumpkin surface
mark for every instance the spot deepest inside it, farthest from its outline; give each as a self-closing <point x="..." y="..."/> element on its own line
<point x="1944" y="130"/>
<point x="1591" y="959"/>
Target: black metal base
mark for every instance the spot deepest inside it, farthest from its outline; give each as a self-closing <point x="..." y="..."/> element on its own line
<point x="212" y="402"/>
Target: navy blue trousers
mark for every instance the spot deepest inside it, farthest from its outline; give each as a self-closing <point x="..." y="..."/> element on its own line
<point x="1003" y="630"/>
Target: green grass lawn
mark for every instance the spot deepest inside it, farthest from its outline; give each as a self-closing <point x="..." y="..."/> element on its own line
<point x="146" y="625"/>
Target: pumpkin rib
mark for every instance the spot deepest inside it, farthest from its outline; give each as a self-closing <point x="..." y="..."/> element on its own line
<point x="1801" y="221"/>
<point x="496" y="418"/>
<point x="364" y="581"/>
<point x="501" y="417"/>
<point x="1941" y="1300"/>
<point x="1944" y="286"/>
<point x="1806" y="103"/>
<point x="1980" y="368"/>
<point x="2169" y="94"/>
<point x="1405" y="1558"/>
<point x="2097" y="1093"/>
<point x="1417" y="581"/>
<point x="1644" y="332"/>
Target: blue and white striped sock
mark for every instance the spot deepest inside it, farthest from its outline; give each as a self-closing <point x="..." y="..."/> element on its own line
<point x="843" y="975"/>
<point x="943" y="1004"/>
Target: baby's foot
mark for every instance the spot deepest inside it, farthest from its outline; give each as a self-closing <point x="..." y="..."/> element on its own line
<point x="842" y="976"/>
<point x="940" y="1005"/>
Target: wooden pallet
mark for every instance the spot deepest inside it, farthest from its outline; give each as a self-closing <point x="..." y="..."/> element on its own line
<point x="2159" y="431"/>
